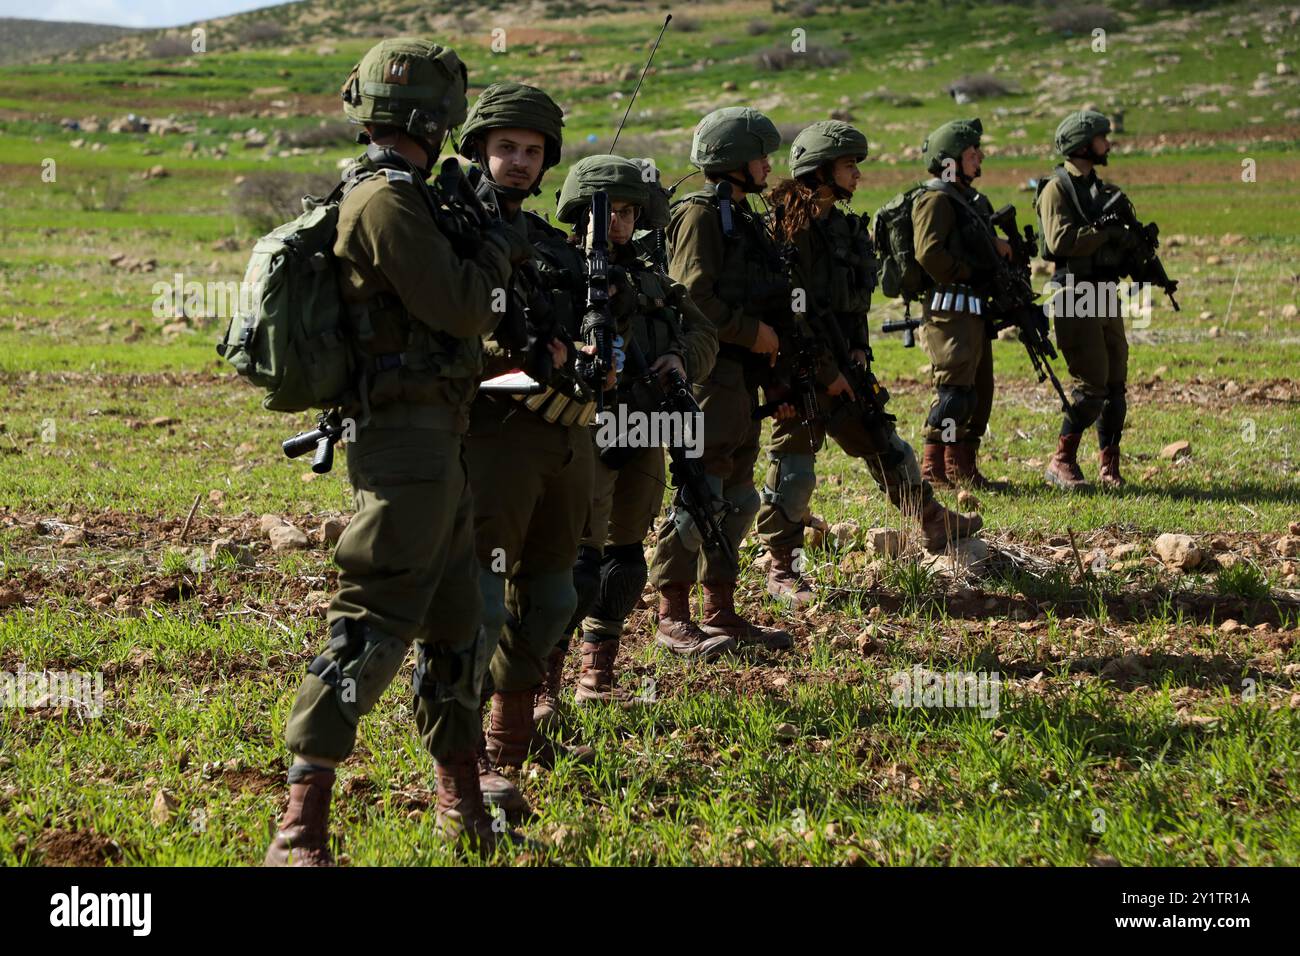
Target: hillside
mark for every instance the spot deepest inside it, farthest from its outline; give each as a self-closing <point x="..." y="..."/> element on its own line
<point x="25" y="40"/>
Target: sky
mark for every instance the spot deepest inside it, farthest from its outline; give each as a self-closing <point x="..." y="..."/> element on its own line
<point x="129" y="13"/>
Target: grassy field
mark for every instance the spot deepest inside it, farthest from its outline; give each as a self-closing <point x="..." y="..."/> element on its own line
<point x="1145" y="715"/>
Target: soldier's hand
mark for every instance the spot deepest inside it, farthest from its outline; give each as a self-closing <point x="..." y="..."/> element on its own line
<point x="1004" y="248"/>
<point x="839" y="387"/>
<point x="767" y="342"/>
<point x="517" y="249"/>
<point x="559" y="352"/>
<point x="611" y="377"/>
<point x="859" y="357"/>
<point x="665" y="363"/>
<point x="785" y="412"/>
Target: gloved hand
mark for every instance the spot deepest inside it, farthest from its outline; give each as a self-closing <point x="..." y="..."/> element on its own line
<point x="517" y="249"/>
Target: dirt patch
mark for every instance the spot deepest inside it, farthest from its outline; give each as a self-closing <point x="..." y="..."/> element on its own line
<point x="76" y="848"/>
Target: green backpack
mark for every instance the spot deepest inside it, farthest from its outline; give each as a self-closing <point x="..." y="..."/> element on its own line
<point x="891" y="227"/>
<point x="291" y="341"/>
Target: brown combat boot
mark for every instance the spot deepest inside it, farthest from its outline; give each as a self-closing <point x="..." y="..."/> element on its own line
<point x="934" y="466"/>
<point x="598" y="681"/>
<point x="497" y="790"/>
<point x="1063" y="470"/>
<point x="460" y="813"/>
<point x="303" y="835"/>
<point x="941" y="527"/>
<point x="720" y="618"/>
<point x="963" y="470"/>
<point x="512" y="737"/>
<point x="1109" y="468"/>
<point x="679" y="633"/>
<point x="546" y="706"/>
<point x="784" y="582"/>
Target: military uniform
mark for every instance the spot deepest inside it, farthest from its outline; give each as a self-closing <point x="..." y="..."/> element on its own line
<point x="955" y="247"/>
<point x="1095" y="346"/>
<point x="719" y="250"/>
<point x="656" y="317"/>
<point x="836" y="268"/>
<point x="417" y="306"/>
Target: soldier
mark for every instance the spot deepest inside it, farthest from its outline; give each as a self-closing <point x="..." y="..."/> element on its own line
<point x="406" y="561"/>
<point x="952" y="236"/>
<point x="654" y="315"/>
<point x="1094" y="346"/>
<point x="719" y="250"/>
<point x="836" y="269"/>
<point x="530" y="461"/>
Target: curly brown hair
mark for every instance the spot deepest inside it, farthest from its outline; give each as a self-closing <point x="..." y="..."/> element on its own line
<point x="794" y="203"/>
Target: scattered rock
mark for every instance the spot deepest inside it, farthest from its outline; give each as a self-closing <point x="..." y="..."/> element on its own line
<point x="785" y="732"/>
<point x="269" y="521"/>
<point x="967" y="501"/>
<point x="1128" y="549"/>
<point x="885" y="541"/>
<point x="221" y="547"/>
<point x="868" y="643"/>
<point x="9" y="597"/>
<point x="842" y="532"/>
<point x="729" y="86"/>
<point x="287" y="538"/>
<point x="1176" y="450"/>
<point x="1231" y="626"/>
<point x="1178" y="551"/>
<point x="72" y="537"/>
<point x="164" y="808"/>
<point x="1289" y="545"/>
<point x="331" y="530"/>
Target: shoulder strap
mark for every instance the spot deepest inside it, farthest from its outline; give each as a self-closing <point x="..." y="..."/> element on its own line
<point x="1068" y="185"/>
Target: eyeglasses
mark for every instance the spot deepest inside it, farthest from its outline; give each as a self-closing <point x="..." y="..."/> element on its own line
<point x="625" y="213"/>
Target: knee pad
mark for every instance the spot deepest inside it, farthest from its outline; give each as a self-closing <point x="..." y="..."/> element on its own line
<point x="743" y="502"/>
<point x="899" y="467"/>
<point x="586" y="582"/>
<point x="358" y="664"/>
<point x="1084" y="409"/>
<point x="796" y="478"/>
<point x="547" y="608"/>
<point x="692" y="537"/>
<point x="1113" y="412"/>
<point x="444" y="675"/>
<point x="954" y="406"/>
<point x="623" y="575"/>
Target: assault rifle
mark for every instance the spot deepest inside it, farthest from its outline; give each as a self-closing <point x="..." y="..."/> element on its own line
<point x="1119" y="211"/>
<point x="326" y="434"/>
<point x="802" y="389"/>
<point x="598" y="328"/>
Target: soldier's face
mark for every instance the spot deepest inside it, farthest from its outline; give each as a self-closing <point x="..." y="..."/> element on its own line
<point x="759" y="170"/>
<point x="622" y="221"/>
<point x="1100" y="147"/>
<point x="515" y="156"/>
<point x="972" y="159"/>
<point x="846" y="174"/>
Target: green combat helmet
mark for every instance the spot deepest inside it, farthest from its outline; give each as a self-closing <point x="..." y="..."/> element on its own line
<point x="824" y="142"/>
<point x="1077" y="130"/>
<point x="412" y="84"/>
<point x="731" y="137"/>
<point x="621" y="179"/>
<point x="656" y="213"/>
<point x="948" y="142"/>
<point x="515" y="105"/>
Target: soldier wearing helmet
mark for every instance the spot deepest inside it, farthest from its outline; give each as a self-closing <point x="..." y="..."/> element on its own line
<point x="664" y="329"/>
<point x="835" y="267"/>
<point x="954" y="243"/>
<point x="407" y="575"/>
<point x="530" y="457"/>
<point x="1095" y="347"/>
<point x="718" y="248"/>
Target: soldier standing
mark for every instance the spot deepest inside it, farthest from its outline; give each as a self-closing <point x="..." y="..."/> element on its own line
<point x="1094" y="346"/>
<point x="407" y="572"/>
<point x="530" y="461"/>
<point x="657" y="319"/>
<point x="719" y="250"/>
<point x="836" y="269"/>
<point x="954" y="244"/>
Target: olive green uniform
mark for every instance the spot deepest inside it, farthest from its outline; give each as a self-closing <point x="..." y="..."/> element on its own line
<point x="532" y="481"/>
<point x="736" y="282"/>
<point x="1094" y="346"/>
<point x="657" y="314"/>
<point x="836" y="267"/>
<point x="953" y="241"/>
<point x="406" y="561"/>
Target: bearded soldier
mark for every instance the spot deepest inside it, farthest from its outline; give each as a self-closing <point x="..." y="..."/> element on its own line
<point x="835" y="268"/>
<point x="418" y="304"/>
<point x="658" y="321"/>
<point x="954" y="244"/>
<point x="530" y="460"/>
<point x="719" y="250"/>
<point x="1094" y="345"/>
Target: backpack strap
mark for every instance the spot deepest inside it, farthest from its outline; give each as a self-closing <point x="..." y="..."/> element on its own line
<point x="1068" y="185"/>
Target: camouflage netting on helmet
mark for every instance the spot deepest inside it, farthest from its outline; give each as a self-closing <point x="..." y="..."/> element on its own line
<point x="948" y="142"/>
<point x="824" y="142"/>
<point x="413" y="84"/>
<point x="621" y="179"/>
<point x="731" y="137"/>
<point x="515" y="106"/>
<point x="1077" y="130"/>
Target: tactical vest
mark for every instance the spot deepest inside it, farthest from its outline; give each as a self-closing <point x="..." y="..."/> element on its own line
<point x="655" y="320"/>
<point x="972" y="241"/>
<point x="402" y="359"/>
<point x="849" y="268"/>
<point x="1105" y="262"/>
<point x="751" y="277"/>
